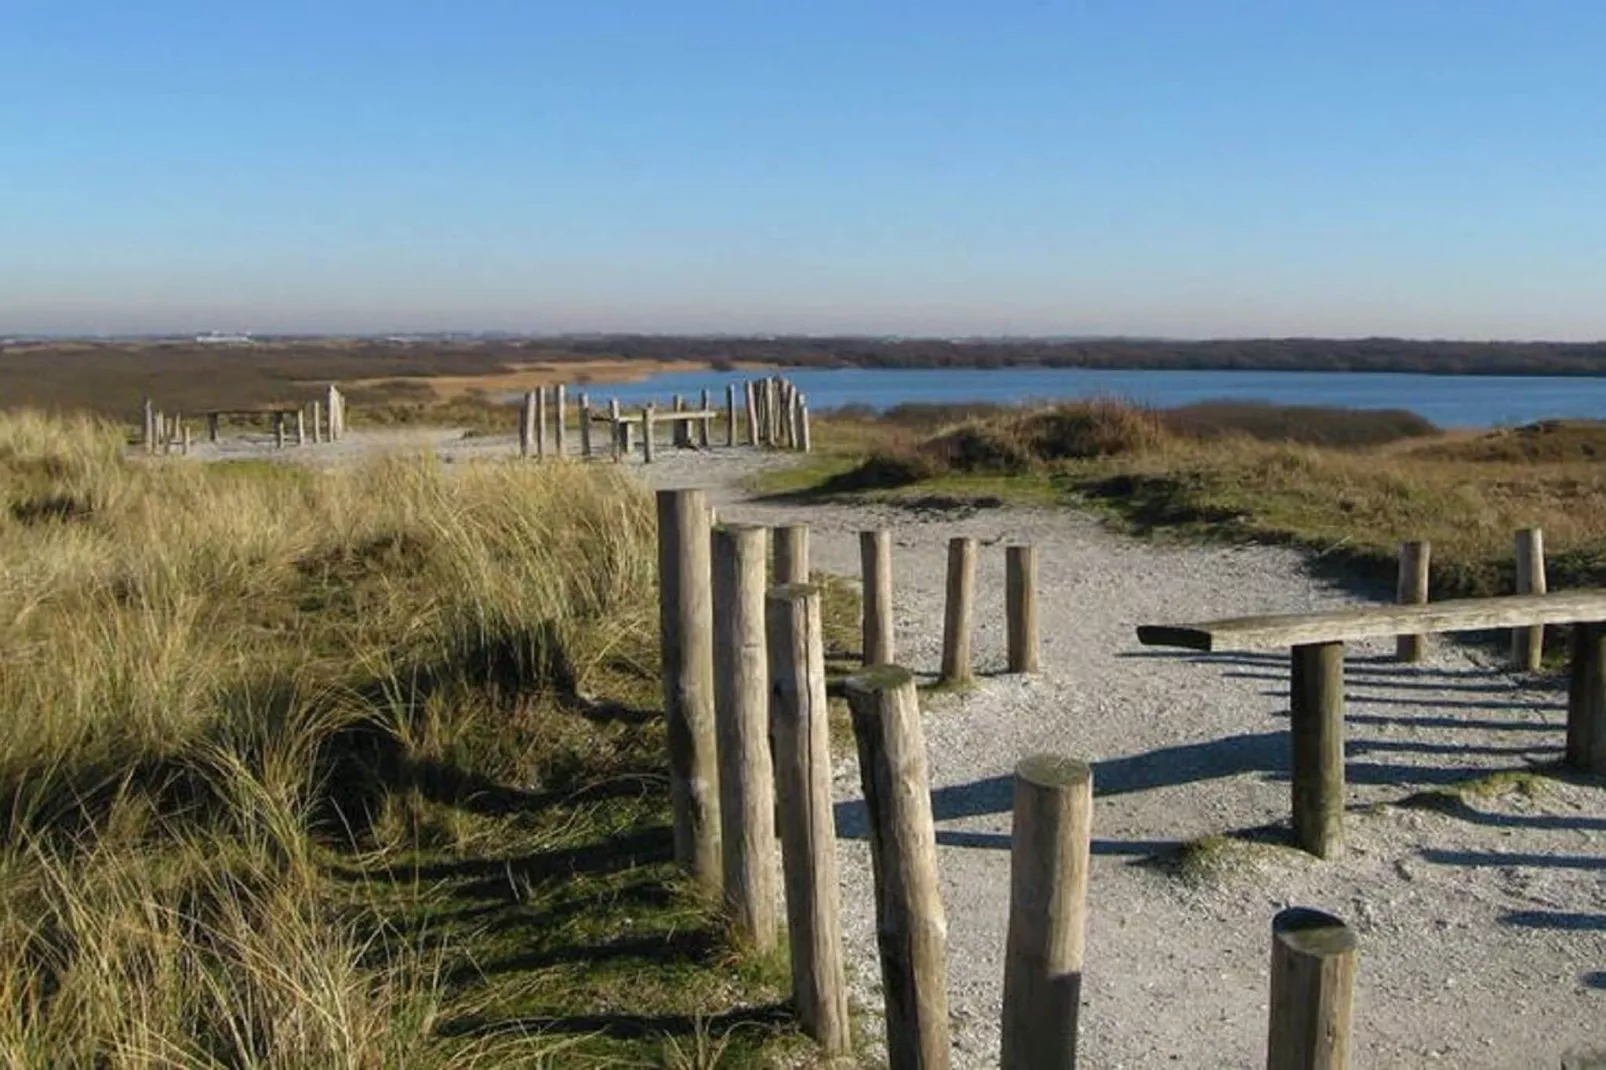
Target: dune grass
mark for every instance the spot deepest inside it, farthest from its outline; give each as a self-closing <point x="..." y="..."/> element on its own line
<point x="359" y="768"/>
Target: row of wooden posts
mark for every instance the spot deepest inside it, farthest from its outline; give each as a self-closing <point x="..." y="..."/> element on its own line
<point x="325" y="419"/>
<point x="1527" y="644"/>
<point x="777" y="417"/>
<point x="749" y="748"/>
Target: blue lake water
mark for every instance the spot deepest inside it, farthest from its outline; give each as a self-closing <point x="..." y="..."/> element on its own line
<point x="1447" y="400"/>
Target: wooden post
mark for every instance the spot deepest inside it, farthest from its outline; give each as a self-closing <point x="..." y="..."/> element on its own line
<point x="161" y="428"/>
<point x="560" y="416"/>
<point x="1048" y="868"/>
<point x="787" y="425"/>
<point x="875" y="563"/>
<point x="772" y="406"/>
<point x="752" y="414"/>
<point x="540" y="421"/>
<point x="1020" y="607"/>
<point x="317" y="422"/>
<point x="686" y="631"/>
<point x="791" y="554"/>
<point x="148" y="435"/>
<point x="527" y="424"/>
<point x="301" y="427"/>
<point x="1586" y="700"/>
<point x="585" y="426"/>
<point x="956" y="614"/>
<point x="211" y="426"/>
<point x="800" y="719"/>
<point x="702" y="425"/>
<point x="679" y="430"/>
<point x="911" y="929"/>
<point x="646" y="433"/>
<point x="332" y="403"/>
<point x="278" y="430"/>
<point x="620" y="447"/>
<point x="730" y="414"/>
<point x="184" y="433"/>
<point x="1412" y="591"/>
<point x="807" y="445"/>
<point x="1313" y="961"/>
<point x="1317" y="727"/>
<point x="741" y="716"/>
<point x="1528" y="644"/>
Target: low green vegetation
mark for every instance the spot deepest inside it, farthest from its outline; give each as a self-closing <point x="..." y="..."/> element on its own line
<point x="360" y="768"/>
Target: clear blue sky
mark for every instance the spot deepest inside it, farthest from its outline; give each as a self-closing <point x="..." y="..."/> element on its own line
<point x="1184" y="167"/>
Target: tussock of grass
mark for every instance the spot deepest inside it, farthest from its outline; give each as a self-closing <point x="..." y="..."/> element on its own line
<point x="297" y="771"/>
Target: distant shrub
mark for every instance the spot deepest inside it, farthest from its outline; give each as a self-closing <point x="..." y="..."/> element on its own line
<point x="1315" y="425"/>
<point x="1089" y="429"/>
<point x="1552" y="441"/>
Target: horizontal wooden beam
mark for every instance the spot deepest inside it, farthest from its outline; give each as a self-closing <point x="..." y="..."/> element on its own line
<point x="664" y="416"/>
<point x="1372" y="622"/>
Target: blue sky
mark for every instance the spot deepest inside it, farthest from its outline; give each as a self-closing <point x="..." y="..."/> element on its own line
<point x="1142" y="167"/>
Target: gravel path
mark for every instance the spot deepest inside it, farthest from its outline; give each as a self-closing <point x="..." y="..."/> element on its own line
<point x="1483" y="931"/>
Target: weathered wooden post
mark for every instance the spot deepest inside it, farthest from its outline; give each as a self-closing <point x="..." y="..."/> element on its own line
<point x="1412" y="591"/>
<point x="799" y="720"/>
<point x="620" y="446"/>
<point x="702" y="424"/>
<point x="1313" y="962"/>
<point x="741" y="717"/>
<point x="332" y="403"/>
<point x="772" y="405"/>
<point x="560" y="404"/>
<point x="184" y="433"/>
<point x="686" y="630"/>
<point x="278" y="430"/>
<point x="317" y="422"/>
<point x="807" y="442"/>
<point x="646" y="433"/>
<point x="301" y="427"/>
<point x="752" y="414"/>
<point x="585" y="426"/>
<point x="527" y="424"/>
<point x="211" y="426"/>
<point x="1586" y="700"/>
<point x="540" y="421"/>
<point x="148" y="435"/>
<point x="1528" y="644"/>
<point x="679" y="430"/>
<point x="161" y="428"/>
<point x="875" y="566"/>
<point x="791" y="544"/>
<point x="911" y="929"/>
<point x="1048" y="870"/>
<point x="1317" y="725"/>
<point x="785" y="400"/>
<point x="730" y="414"/>
<point x="956" y="614"/>
<point x="1020" y="607"/>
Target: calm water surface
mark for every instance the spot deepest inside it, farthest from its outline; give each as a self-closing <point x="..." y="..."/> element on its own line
<point x="1447" y="400"/>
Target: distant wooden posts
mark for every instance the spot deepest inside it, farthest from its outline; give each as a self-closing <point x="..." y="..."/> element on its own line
<point x="334" y="402"/>
<point x="752" y="413"/>
<point x="957" y="611"/>
<point x="184" y="436"/>
<point x="702" y="425"/>
<point x="301" y="427"/>
<point x="527" y="424"/>
<point x="211" y="427"/>
<point x="560" y="421"/>
<point x="791" y="548"/>
<point x="686" y="632"/>
<point x="278" y="430"/>
<point x="800" y="718"/>
<point x="807" y="442"/>
<point x="646" y="433"/>
<point x="1313" y="965"/>
<point x="585" y="425"/>
<point x="1020" y="607"/>
<point x="741" y="717"/>
<point x="679" y="430"/>
<point x="911" y="929"/>
<point x="1412" y="591"/>
<point x="540" y="421"/>
<point x="730" y="415"/>
<point x="1048" y="874"/>
<point x="148" y="435"/>
<point x="621" y="444"/>
<point x="875" y="562"/>
<point x="1528" y="644"/>
<point x="317" y="423"/>
<point x="1317" y="727"/>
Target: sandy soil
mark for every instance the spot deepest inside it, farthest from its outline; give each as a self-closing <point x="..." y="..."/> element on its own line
<point x="1483" y="930"/>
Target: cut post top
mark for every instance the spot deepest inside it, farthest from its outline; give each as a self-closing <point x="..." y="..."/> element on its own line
<point x="1053" y="771"/>
<point x="1312" y="932"/>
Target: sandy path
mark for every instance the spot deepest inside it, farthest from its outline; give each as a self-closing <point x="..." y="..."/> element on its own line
<point x="1483" y="934"/>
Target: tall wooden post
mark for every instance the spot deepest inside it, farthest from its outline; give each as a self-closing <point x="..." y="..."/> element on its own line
<point x="807" y="444"/>
<point x="730" y="414"/>
<point x="1586" y="700"/>
<point x="1317" y="727"/>
<point x="772" y="405"/>
<point x="540" y="421"/>
<point x="741" y="716"/>
<point x="278" y="430"/>
<point x="1048" y="869"/>
<point x="646" y="433"/>
<point x="1412" y="591"/>
<point x="317" y="422"/>
<point x="184" y="434"/>
<point x="686" y="630"/>
<point x="752" y="414"/>
<point x="791" y="543"/>
<point x="702" y="424"/>
<point x="332" y="403"/>
<point x="301" y="427"/>
<point x="875" y="562"/>
<point x="560" y="416"/>
<point x="148" y="435"/>
<point x="619" y="446"/>
<point x="679" y="430"/>
<point x="527" y="424"/>
<point x="956" y="614"/>
<point x="800" y="719"/>
<point x="585" y="425"/>
<point x="1313" y="962"/>
<point x="911" y="929"/>
<point x="1528" y="644"/>
<point x="211" y="426"/>
<point x="1020" y="607"/>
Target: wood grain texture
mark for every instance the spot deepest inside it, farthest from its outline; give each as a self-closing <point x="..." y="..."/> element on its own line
<point x="1313" y="966"/>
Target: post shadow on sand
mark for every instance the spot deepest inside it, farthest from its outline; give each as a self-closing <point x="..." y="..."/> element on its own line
<point x="1373" y="664"/>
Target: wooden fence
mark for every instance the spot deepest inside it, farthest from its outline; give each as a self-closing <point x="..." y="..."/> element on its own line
<point x="727" y="675"/>
<point x="318" y="421"/>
